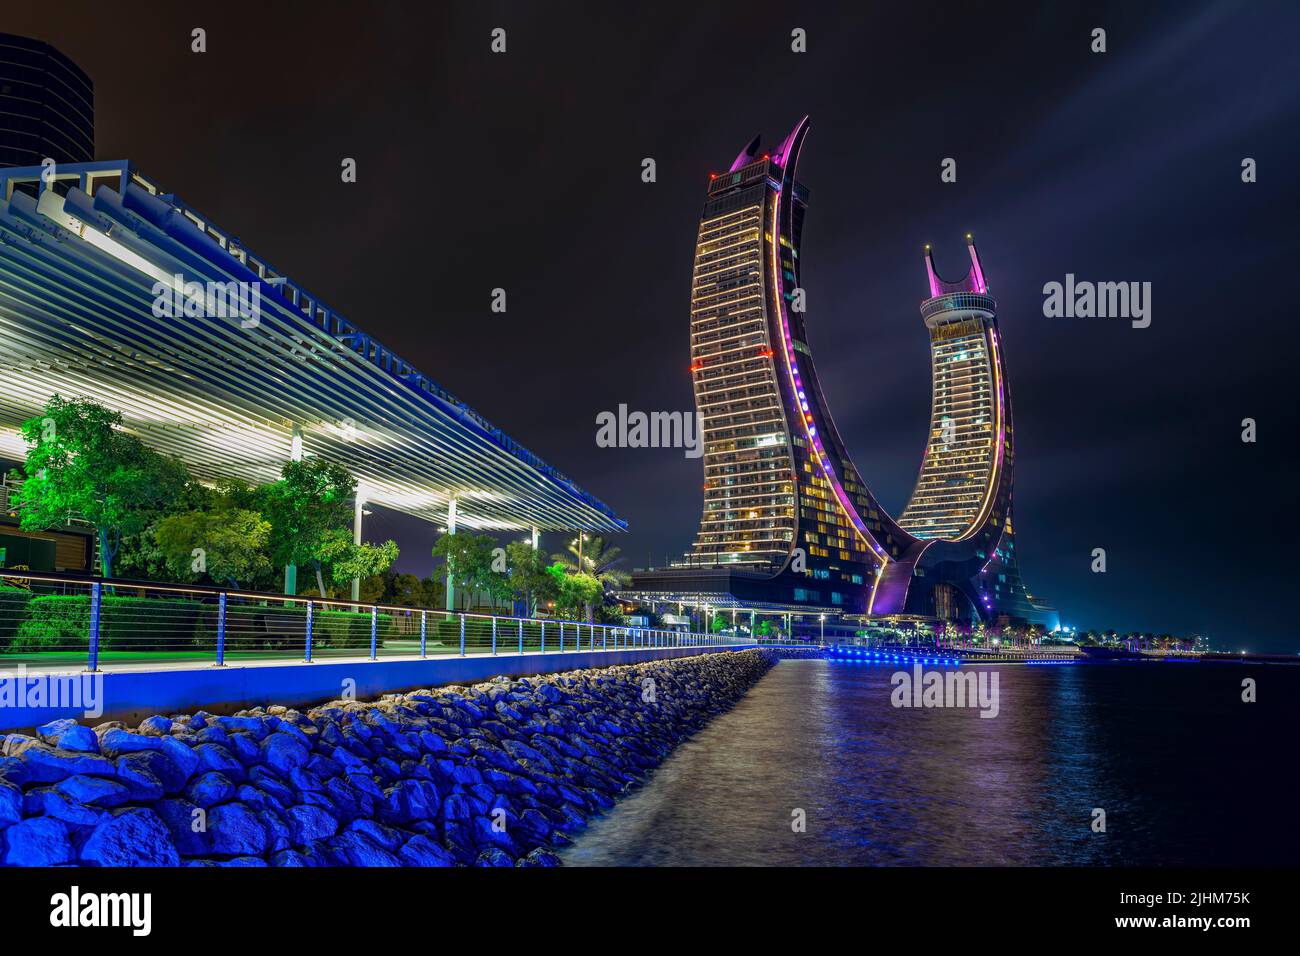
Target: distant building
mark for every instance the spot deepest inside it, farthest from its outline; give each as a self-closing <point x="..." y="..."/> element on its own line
<point x="789" y="526"/>
<point x="47" y="105"/>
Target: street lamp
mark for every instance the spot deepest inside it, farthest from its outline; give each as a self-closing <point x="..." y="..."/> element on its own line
<point x="823" y="620"/>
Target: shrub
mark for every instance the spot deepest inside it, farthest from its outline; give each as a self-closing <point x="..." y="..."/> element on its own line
<point x="256" y="627"/>
<point x="13" y="610"/>
<point x="61" y="622"/>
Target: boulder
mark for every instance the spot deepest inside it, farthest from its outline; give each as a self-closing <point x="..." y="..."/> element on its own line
<point x="135" y="836"/>
<point x="155" y="726"/>
<point x="219" y="758"/>
<point x="358" y="849"/>
<point x="95" y="791"/>
<point x="181" y="820"/>
<point x="69" y="735"/>
<point x="11" y="804"/>
<point x="37" y="841"/>
<point x="309" y="824"/>
<point x="283" y="752"/>
<point x="115" y="741"/>
<point x="43" y="764"/>
<point x="421" y="850"/>
<point x="235" y="831"/>
<point x="210" y="789"/>
<point x="183" y="755"/>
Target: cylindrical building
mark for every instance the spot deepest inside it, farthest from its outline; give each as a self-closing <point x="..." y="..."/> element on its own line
<point x="47" y="105"/>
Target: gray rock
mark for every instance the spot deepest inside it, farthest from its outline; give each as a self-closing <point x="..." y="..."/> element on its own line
<point x="421" y="850"/>
<point x="155" y="726"/>
<point x="187" y="761"/>
<point x="235" y="831"/>
<point x="37" y="841"/>
<point x="135" y="836"/>
<point x="283" y="752"/>
<point x="309" y="824"/>
<point x="44" y="764"/>
<point x="69" y="735"/>
<point x="494" y="856"/>
<point x="11" y="804"/>
<point x="94" y="791"/>
<point x="180" y="819"/>
<point x="116" y="741"/>
<point x="210" y="789"/>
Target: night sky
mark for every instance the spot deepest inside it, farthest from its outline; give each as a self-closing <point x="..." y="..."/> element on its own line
<point x="522" y="171"/>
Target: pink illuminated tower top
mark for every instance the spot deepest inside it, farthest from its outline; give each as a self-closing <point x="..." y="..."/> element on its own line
<point x="973" y="282"/>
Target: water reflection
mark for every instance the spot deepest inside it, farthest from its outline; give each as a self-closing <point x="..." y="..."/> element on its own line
<point x="1156" y="746"/>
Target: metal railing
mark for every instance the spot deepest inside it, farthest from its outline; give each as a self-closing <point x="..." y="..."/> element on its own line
<point x="60" y="620"/>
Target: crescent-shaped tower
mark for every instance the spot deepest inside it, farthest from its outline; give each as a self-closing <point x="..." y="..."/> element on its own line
<point x="788" y="522"/>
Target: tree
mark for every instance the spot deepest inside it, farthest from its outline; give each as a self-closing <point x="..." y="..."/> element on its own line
<point x="597" y="560"/>
<point x="310" y="511"/>
<point x="81" y="463"/>
<point x="348" y="560"/>
<point x="468" y="558"/>
<point x="226" y="544"/>
<point x="576" y="593"/>
<point x="529" y="582"/>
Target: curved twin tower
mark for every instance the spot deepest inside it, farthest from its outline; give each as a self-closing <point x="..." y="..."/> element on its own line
<point x="788" y="521"/>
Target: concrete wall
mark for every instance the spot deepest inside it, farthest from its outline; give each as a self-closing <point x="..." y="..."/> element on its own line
<point x="131" y="696"/>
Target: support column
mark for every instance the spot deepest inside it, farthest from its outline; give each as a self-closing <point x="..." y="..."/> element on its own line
<point x="295" y="454"/>
<point x="451" y="529"/>
<point x="534" y="532"/>
<point x="358" y="509"/>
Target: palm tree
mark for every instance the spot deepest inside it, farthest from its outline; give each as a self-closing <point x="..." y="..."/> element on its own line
<point x="597" y="559"/>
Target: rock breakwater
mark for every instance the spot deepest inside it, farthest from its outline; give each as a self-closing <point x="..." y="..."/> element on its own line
<point x="490" y="775"/>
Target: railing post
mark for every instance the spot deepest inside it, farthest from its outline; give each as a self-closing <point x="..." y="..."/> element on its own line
<point x="374" y="633"/>
<point x="221" y="629"/>
<point x="92" y="662"/>
<point x="424" y="632"/>
<point x="521" y="636"/>
<point x="494" y="635"/>
<point x="543" y="650"/>
<point x="310" y="610"/>
<point x="462" y="635"/>
<point x="561" y="637"/>
<point x="604" y="638"/>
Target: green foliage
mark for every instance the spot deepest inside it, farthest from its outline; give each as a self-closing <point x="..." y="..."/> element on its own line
<point x="576" y="593"/>
<point x="361" y="560"/>
<point x="61" y="622"/>
<point x="407" y="590"/>
<point x="528" y="580"/>
<point x="468" y="559"/>
<point x="232" y="541"/>
<point x="80" y="463"/>
<point x="13" y="610"/>
<point x="597" y="559"/>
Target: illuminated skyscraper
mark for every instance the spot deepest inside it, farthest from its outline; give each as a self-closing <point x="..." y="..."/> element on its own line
<point x="47" y="105"/>
<point x="788" y="521"/>
<point x="969" y="427"/>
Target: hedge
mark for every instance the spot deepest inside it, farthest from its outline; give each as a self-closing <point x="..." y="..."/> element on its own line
<point x="13" y="611"/>
<point x="61" y="622"/>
